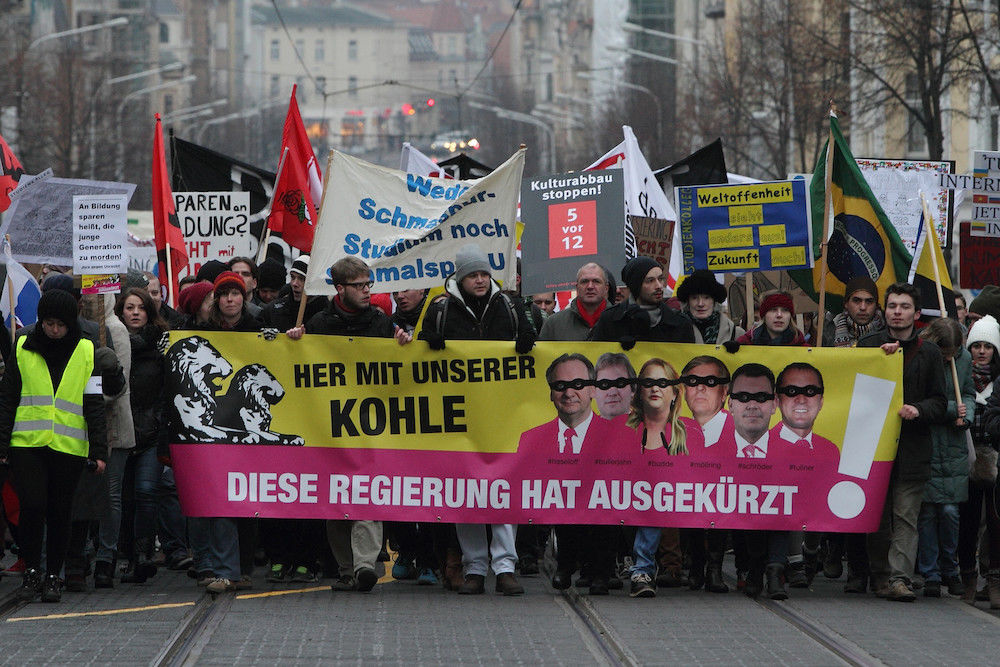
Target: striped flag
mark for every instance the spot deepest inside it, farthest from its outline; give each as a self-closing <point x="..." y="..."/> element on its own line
<point x="20" y="284"/>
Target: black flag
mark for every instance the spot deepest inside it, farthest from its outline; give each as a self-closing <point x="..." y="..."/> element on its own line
<point x="706" y="166"/>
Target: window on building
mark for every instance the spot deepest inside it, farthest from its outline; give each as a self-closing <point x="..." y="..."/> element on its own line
<point x="352" y="49"/>
<point x="168" y="104"/>
<point x="916" y="137"/>
<point x="549" y="87"/>
<point x="164" y="33"/>
<point x="275" y="49"/>
<point x="452" y="45"/>
<point x="352" y="85"/>
<point x="275" y="85"/>
<point x="320" y="51"/>
<point x="321" y="85"/>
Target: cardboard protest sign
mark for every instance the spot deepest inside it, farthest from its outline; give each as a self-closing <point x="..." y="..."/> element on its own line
<point x="979" y="261"/>
<point x="40" y="217"/>
<point x="986" y="206"/>
<point x="751" y="227"/>
<point x="653" y="238"/>
<point x="408" y="228"/>
<point x="100" y="234"/>
<point x="897" y="184"/>
<point x="216" y="225"/>
<point x="362" y="428"/>
<point x="570" y="220"/>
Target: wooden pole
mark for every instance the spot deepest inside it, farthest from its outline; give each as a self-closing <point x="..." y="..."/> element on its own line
<point x="10" y="296"/>
<point x="748" y="284"/>
<point x="827" y="208"/>
<point x="262" y="250"/>
<point x="322" y="203"/>
<point x="170" y="277"/>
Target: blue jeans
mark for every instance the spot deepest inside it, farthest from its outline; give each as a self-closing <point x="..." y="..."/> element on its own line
<point x="170" y="523"/>
<point x="644" y="548"/>
<point x="216" y="546"/>
<point x="146" y="469"/>
<point x="937" y="527"/>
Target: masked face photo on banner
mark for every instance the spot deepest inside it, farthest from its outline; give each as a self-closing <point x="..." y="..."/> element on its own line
<point x="614" y="390"/>
<point x="800" y="398"/>
<point x="705" y="381"/>
<point x="751" y="402"/>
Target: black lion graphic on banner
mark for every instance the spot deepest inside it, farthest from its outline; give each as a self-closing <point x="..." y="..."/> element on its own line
<point x="241" y="416"/>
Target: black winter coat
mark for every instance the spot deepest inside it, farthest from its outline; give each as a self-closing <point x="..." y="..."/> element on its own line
<point x="923" y="388"/>
<point x="629" y="320"/>
<point x="335" y="321"/>
<point x="503" y="318"/>
<point x="147" y="380"/>
<point x="282" y="313"/>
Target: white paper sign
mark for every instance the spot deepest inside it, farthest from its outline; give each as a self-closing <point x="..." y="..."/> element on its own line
<point x="100" y="232"/>
<point x="216" y="225"/>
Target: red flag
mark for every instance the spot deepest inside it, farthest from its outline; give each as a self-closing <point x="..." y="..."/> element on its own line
<point x="166" y="228"/>
<point x="300" y="186"/>
<point x="10" y="174"/>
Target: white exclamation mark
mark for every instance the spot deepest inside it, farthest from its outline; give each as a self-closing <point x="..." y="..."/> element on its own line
<point x="865" y="420"/>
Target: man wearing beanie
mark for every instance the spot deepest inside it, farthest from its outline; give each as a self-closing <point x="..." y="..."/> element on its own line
<point x="987" y="303"/>
<point x="283" y="312"/>
<point x="861" y="315"/>
<point x="272" y="279"/>
<point x="701" y="297"/>
<point x="645" y="317"/>
<point x="475" y="308"/>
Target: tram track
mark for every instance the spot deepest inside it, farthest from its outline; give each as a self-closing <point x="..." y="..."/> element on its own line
<point x="10" y="605"/>
<point x="195" y="630"/>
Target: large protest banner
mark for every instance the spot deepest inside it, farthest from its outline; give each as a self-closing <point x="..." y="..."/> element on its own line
<point x="569" y="220"/>
<point x="216" y="225"/>
<point x="338" y="427"/>
<point x="408" y="227"/>
<point x="897" y="185"/>
<point x="752" y="227"/>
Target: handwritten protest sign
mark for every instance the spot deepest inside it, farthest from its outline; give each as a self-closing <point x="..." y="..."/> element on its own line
<point x="897" y="185"/>
<point x="570" y="220"/>
<point x="362" y="428"/>
<point x="653" y="238"/>
<point x="216" y="225"/>
<point x="751" y="227"/>
<point x="408" y="228"/>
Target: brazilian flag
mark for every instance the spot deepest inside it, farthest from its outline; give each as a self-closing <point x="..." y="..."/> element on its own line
<point x="863" y="242"/>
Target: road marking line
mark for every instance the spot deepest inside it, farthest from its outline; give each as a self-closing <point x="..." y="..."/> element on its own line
<point x="104" y="612"/>
<point x="270" y="594"/>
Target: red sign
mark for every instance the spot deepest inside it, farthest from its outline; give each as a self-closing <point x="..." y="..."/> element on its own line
<point x="573" y="229"/>
<point x="979" y="261"/>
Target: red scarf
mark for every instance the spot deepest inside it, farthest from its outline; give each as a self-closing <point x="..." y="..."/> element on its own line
<point x="591" y="320"/>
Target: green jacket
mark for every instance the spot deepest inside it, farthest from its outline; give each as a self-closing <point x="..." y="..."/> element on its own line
<point x="949" y="482"/>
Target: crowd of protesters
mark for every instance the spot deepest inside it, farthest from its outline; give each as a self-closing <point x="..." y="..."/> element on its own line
<point x="89" y="495"/>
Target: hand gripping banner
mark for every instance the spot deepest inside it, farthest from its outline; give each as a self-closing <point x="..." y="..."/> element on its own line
<point x="663" y="435"/>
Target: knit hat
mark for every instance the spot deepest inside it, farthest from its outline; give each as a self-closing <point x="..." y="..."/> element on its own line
<point x="701" y="281"/>
<point x="228" y="279"/>
<point x="301" y="265"/>
<point x="58" y="304"/>
<point x="272" y="275"/>
<point x="778" y="300"/>
<point x="211" y="269"/>
<point x="469" y="259"/>
<point x="192" y="296"/>
<point x="60" y="281"/>
<point x="634" y="272"/>
<point x="987" y="303"/>
<point x="134" y="278"/>
<point x="985" y="330"/>
<point x="860" y="283"/>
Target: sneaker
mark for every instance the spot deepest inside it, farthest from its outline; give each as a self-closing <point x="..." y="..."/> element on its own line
<point x="31" y="585"/>
<point x="366" y="579"/>
<point x="955" y="585"/>
<point x="52" y="589"/>
<point x="528" y="565"/>
<point x="180" y="561"/>
<point x="427" y="577"/>
<point x="403" y="568"/>
<point x="344" y="583"/>
<point x="932" y="589"/>
<point x="303" y="575"/>
<point x="900" y="591"/>
<point x="856" y="583"/>
<point x="220" y="585"/>
<point x="244" y="583"/>
<point x="796" y="575"/>
<point x="15" y="570"/>
<point x="642" y="586"/>
<point x="277" y="574"/>
<point x="208" y="578"/>
<point x="670" y="579"/>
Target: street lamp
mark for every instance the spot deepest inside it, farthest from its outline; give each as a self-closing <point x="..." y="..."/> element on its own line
<point x="120" y="166"/>
<point x="183" y="112"/>
<point x="92" y="131"/>
<point x="510" y="114"/>
<point x="239" y="114"/>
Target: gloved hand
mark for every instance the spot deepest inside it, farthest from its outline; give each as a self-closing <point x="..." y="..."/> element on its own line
<point x="105" y="360"/>
<point x="732" y="347"/>
<point x="524" y="343"/>
<point x="627" y="342"/>
<point x="434" y="340"/>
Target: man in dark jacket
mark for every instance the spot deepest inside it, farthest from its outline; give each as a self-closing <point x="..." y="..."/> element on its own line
<point x="644" y="316"/>
<point x="409" y="305"/>
<point x="283" y="312"/>
<point x="475" y="308"/>
<point x="575" y="321"/>
<point x="893" y="549"/>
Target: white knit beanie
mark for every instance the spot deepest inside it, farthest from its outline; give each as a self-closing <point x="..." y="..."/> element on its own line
<point x="985" y="330"/>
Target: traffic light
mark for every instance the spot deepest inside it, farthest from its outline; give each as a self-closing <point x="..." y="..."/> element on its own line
<point x="430" y="102"/>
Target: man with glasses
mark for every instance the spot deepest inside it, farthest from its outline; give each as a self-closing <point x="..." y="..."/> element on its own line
<point x="800" y="398"/>
<point x="475" y="308"/>
<point x="573" y="436"/>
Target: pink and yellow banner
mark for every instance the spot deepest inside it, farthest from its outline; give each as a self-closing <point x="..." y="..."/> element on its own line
<point x="661" y="435"/>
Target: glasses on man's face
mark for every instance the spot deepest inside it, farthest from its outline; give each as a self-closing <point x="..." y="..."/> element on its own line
<point x="662" y="383"/>
<point x="707" y="380"/>
<point x="618" y="383"/>
<point x="756" y="397"/>
<point x="563" y="385"/>
<point x="366" y="284"/>
<point x="792" y="390"/>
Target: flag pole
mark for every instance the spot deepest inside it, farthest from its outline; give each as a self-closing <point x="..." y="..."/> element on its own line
<point x="748" y="284"/>
<point x="322" y="201"/>
<point x="262" y="251"/>
<point x="170" y="275"/>
<point x="827" y="207"/>
<point x="10" y="295"/>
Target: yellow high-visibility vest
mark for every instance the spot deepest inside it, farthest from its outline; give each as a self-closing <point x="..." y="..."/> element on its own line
<point x="54" y="419"/>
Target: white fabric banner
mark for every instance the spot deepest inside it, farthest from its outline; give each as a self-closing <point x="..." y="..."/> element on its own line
<point x="408" y="227"/>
